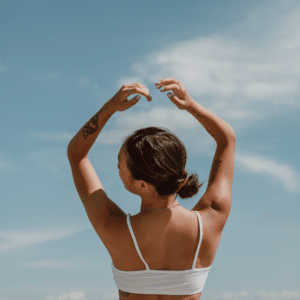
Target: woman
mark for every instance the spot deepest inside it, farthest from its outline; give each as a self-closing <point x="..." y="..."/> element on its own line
<point x="165" y="251"/>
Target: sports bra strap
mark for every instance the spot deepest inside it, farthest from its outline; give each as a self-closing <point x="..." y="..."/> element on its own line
<point x="200" y="240"/>
<point x="135" y="242"/>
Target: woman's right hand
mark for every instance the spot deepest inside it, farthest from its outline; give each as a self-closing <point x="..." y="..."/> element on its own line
<point x="181" y="98"/>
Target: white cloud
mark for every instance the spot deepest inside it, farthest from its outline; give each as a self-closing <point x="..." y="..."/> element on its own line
<point x="235" y="295"/>
<point x="113" y="137"/>
<point x="171" y="118"/>
<point x="11" y="240"/>
<point x="246" y="73"/>
<point x="254" y="66"/>
<point x="52" y="263"/>
<point x="281" y="172"/>
<point x="262" y="295"/>
<point x="179" y="122"/>
<point x="72" y="296"/>
<point x="279" y="296"/>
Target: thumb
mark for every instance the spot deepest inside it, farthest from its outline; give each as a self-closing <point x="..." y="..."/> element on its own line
<point x="179" y="103"/>
<point x="134" y="100"/>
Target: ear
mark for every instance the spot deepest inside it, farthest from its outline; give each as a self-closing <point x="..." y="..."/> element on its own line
<point x="146" y="188"/>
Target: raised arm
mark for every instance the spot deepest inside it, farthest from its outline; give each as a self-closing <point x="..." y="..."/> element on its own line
<point x="219" y="189"/>
<point x="217" y="198"/>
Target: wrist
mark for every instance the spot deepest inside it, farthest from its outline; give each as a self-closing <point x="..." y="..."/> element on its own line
<point x="109" y="106"/>
<point x="192" y="106"/>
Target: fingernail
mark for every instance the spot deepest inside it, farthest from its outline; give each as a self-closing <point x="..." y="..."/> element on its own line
<point x="138" y="97"/>
<point x="162" y="88"/>
<point x="169" y="95"/>
<point x="150" y="97"/>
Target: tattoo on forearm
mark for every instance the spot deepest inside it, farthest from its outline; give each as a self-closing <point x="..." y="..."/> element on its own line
<point x="195" y="112"/>
<point x="215" y="167"/>
<point x="88" y="129"/>
<point x="201" y="117"/>
<point x="123" y="295"/>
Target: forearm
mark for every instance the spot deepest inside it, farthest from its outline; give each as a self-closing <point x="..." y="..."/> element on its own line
<point x="215" y="126"/>
<point x="82" y="142"/>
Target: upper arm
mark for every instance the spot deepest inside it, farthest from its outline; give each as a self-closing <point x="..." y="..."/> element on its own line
<point x="219" y="189"/>
<point x="105" y="216"/>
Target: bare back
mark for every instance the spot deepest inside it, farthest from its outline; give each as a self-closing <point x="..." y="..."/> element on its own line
<point x="168" y="241"/>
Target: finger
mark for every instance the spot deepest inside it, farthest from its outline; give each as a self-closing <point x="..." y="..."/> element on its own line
<point x="141" y="91"/>
<point x="134" y="100"/>
<point x="168" y="80"/>
<point x="137" y="84"/>
<point x="170" y="87"/>
<point x="142" y="86"/>
<point x="179" y="103"/>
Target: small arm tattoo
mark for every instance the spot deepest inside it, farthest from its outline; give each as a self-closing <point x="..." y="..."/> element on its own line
<point x="195" y="112"/>
<point x="215" y="167"/>
<point x="123" y="295"/>
<point x="88" y="129"/>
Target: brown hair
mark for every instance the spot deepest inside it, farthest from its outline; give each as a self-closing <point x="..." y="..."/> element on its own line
<point x="158" y="157"/>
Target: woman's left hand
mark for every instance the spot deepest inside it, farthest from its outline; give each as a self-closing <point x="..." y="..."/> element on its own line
<point x="120" y="101"/>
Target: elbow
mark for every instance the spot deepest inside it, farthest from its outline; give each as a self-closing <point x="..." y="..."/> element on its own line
<point x="228" y="139"/>
<point x="70" y="152"/>
<point x="232" y="137"/>
<point x="228" y="134"/>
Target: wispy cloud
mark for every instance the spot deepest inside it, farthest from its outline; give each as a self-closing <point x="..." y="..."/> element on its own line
<point x="231" y="295"/>
<point x="2" y="69"/>
<point x="60" y="293"/>
<point x="53" y="159"/>
<point x="52" y="263"/>
<point x="262" y="295"/>
<point x="170" y="118"/>
<point x="58" y="136"/>
<point x="6" y="165"/>
<point x="281" y="172"/>
<point x="47" y="79"/>
<point x="88" y="83"/>
<point x="239" y="74"/>
<point x="54" y="74"/>
<point x="69" y="296"/>
<point x="12" y="240"/>
<point x="279" y="296"/>
<point x="173" y="118"/>
<point x="240" y="77"/>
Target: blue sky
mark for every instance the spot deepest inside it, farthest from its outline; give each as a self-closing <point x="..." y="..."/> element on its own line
<point x="60" y="61"/>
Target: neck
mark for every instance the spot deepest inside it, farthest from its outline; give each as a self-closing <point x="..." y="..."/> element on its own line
<point x="159" y="203"/>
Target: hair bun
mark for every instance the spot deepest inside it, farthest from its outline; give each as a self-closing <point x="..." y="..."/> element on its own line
<point x="190" y="187"/>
